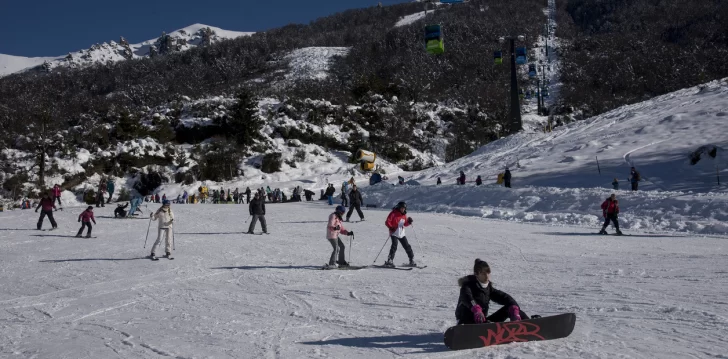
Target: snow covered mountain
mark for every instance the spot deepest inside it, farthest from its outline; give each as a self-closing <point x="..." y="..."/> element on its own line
<point x="113" y="51"/>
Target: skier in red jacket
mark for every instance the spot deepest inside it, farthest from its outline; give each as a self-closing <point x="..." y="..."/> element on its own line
<point x="396" y="221"/>
<point x="610" y="210"/>
<point x="46" y="205"/>
<point x="85" y="218"/>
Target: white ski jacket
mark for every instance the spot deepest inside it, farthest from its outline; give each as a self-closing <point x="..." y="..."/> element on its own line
<point x="165" y="218"/>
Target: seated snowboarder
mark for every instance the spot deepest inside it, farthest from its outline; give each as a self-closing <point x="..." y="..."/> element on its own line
<point x="476" y="292"/>
<point x="120" y="210"/>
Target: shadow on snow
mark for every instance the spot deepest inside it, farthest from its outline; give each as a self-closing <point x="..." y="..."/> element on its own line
<point x="577" y="234"/>
<point x="428" y="343"/>
<point x="90" y="259"/>
<point x="269" y="267"/>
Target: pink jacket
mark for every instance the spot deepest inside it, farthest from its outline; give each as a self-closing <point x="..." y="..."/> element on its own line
<point x="87" y="216"/>
<point x="331" y="231"/>
<point x="56" y="191"/>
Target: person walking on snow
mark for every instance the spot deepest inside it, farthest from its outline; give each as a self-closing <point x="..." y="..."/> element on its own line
<point x="165" y="218"/>
<point x="615" y="184"/>
<point x="257" y="212"/>
<point x="507" y="178"/>
<point x="478" y="181"/>
<point x="100" y="196"/>
<point x="85" y="218"/>
<point x="462" y="177"/>
<point x="610" y="210"/>
<point x="247" y="194"/>
<point x="476" y="292"/>
<point x="110" y="189"/>
<point x="57" y="194"/>
<point x="396" y="221"/>
<point x="47" y="206"/>
<point x="334" y="227"/>
<point x="356" y="202"/>
<point x="634" y="178"/>
<point x="330" y="190"/>
<point x="439" y="181"/>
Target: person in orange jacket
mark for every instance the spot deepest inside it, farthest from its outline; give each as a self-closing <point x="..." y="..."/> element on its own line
<point x="396" y="221"/>
<point x="610" y="210"/>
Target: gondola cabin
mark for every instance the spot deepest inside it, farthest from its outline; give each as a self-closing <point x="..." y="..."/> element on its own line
<point x="498" y="57"/>
<point x="521" y="55"/>
<point x="434" y="39"/>
<point x="532" y="71"/>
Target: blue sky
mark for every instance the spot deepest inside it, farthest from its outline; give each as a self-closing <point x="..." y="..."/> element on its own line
<point x="53" y="28"/>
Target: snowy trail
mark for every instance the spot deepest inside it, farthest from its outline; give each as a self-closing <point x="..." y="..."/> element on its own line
<point x="235" y="295"/>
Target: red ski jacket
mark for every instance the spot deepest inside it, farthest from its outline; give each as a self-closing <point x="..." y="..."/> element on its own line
<point x="393" y="220"/>
<point x="46" y="204"/>
<point x="87" y="216"/>
<point x="610" y="207"/>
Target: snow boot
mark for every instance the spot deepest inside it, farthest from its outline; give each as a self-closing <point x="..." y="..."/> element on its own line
<point x="412" y="263"/>
<point x="343" y="264"/>
<point x="331" y="266"/>
<point x="619" y="233"/>
<point x="153" y="257"/>
<point x="389" y="263"/>
<point x="603" y="232"/>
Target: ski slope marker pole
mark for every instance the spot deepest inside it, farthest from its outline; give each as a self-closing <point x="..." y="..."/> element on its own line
<point x="380" y="251"/>
<point x="147" y="237"/>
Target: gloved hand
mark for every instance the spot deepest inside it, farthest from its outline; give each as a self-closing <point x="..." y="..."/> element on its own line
<point x="337" y="228"/>
<point x="36" y="211"/>
<point x="514" y="312"/>
<point x="351" y="233"/>
<point x="410" y="220"/>
<point x="79" y="221"/>
<point x="478" y="315"/>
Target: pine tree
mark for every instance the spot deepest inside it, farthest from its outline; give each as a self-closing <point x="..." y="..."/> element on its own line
<point x="244" y="122"/>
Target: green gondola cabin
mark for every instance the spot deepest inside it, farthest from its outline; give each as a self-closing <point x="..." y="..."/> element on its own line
<point x="434" y="39"/>
<point x="498" y="57"/>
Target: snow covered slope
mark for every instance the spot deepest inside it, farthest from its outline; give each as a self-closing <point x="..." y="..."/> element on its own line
<point x="229" y="295"/>
<point x="312" y="62"/>
<point x="112" y="51"/>
<point x="657" y="136"/>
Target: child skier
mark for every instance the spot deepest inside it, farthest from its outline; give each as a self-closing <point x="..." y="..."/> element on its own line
<point x="164" y="228"/>
<point x="476" y="292"/>
<point x="334" y="227"/>
<point x="47" y="206"/>
<point x="610" y="211"/>
<point x="396" y="221"/>
<point x="85" y="218"/>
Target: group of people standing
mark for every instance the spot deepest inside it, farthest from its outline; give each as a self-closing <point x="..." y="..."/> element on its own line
<point x="504" y="178"/>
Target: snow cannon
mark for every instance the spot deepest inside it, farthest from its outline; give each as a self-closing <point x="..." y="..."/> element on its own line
<point x="366" y="160"/>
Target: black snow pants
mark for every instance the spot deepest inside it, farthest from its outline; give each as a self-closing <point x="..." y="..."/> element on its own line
<point x="635" y="185"/>
<point x="254" y="220"/>
<point x="48" y="213"/>
<point x="84" y="225"/>
<point x="614" y="219"/>
<point x="356" y="206"/>
<point x="405" y="245"/>
<point x="499" y="316"/>
<point x="508" y="183"/>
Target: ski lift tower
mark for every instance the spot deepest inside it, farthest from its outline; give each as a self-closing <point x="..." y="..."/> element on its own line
<point x="515" y="112"/>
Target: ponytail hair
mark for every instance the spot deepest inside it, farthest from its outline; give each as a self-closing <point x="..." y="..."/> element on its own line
<point x="480" y="265"/>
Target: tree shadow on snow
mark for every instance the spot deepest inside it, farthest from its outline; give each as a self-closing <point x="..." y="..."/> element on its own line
<point x="426" y="343"/>
<point x="576" y="234"/>
<point x="269" y="267"/>
<point x="90" y="259"/>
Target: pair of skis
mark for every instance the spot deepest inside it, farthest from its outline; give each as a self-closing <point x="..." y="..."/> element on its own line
<point x="327" y="267"/>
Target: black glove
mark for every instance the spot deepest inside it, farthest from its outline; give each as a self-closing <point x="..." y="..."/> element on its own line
<point x="410" y="220"/>
<point x="337" y="228"/>
<point x="351" y="233"/>
<point x="79" y="221"/>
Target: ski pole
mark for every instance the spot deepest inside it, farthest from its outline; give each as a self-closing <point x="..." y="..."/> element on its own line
<point x="350" y="238"/>
<point x="380" y="251"/>
<point x="147" y="237"/>
<point x="173" y="241"/>
<point x="418" y="242"/>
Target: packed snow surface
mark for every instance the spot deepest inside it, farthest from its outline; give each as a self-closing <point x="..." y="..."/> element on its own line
<point x="232" y="295"/>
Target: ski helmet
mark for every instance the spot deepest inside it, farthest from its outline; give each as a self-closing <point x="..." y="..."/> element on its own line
<point x="401" y="204"/>
<point x="166" y="202"/>
<point x="340" y="209"/>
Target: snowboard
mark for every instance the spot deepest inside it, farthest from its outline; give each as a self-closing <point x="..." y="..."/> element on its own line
<point x="471" y="336"/>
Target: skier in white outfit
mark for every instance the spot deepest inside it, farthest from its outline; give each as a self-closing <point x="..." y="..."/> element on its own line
<point x="164" y="227"/>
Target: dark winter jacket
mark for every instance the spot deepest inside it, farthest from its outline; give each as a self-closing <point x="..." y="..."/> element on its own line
<point x="634" y="176"/>
<point x="472" y="293"/>
<point x="507" y="175"/>
<point x="355" y="197"/>
<point x="46" y="204"/>
<point x="257" y="207"/>
<point x="110" y="186"/>
<point x="330" y="191"/>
